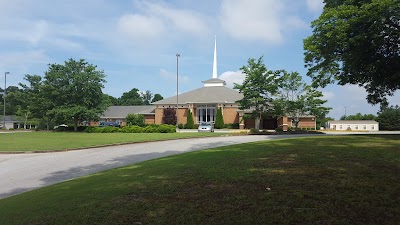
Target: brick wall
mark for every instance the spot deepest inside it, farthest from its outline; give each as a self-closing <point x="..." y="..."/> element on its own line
<point x="307" y="122"/>
<point x="149" y="119"/>
<point x="230" y="115"/>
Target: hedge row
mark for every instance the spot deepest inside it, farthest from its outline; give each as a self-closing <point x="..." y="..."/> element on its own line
<point x="152" y="128"/>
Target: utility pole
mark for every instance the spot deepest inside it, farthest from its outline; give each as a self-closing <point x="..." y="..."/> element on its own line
<point x="4" y="98"/>
<point x="177" y="92"/>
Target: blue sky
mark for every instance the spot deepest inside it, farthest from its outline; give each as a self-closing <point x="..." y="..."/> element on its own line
<point x="135" y="42"/>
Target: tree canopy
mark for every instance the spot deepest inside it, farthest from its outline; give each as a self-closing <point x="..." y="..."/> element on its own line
<point x="296" y="99"/>
<point x="132" y="97"/>
<point x="157" y="97"/>
<point x="389" y="118"/>
<point x="69" y="92"/>
<point x="358" y="116"/>
<point x="357" y="42"/>
<point x="258" y="88"/>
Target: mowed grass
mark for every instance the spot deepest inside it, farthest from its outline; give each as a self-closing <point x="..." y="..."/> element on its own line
<point x="315" y="180"/>
<point x="55" y="141"/>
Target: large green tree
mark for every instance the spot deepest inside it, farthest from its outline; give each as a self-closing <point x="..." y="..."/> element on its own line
<point x="296" y="99"/>
<point x="389" y="118"/>
<point x="157" y="97"/>
<point x="37" y="104"/>
<point x="258" y="88"/>
<point x="357" y="42"/>
<point x="13" y="100"/>
<point x="358" y="116"/>
<point x="132" y="97"/>
<point x="147" y="96"/>
<point x="74" y="89"/>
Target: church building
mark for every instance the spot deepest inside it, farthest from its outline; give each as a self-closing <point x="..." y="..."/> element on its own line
<point x="203" y="103"/>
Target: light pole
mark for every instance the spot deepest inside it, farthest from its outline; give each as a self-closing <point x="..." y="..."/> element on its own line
<point x="345" y="113"/>
<point x="4" y="98"/>
<point x="177" y="61"/>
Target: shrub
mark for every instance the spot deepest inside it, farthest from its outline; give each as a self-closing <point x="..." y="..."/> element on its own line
<point x="151" y="129"/>
<point x="133" y="129"/>
<point x="254" y="131"/>
<point x="169" y="116"/>
<point x="231" y="125"/>
<point x="135" y="119"/>
<point x="196" y="126"/>
<point x="91" y="129"/>
<point x="166" y="128"/>
<point x="189" y="121"/>
<point x="181" y="126"/>
<point x="280" y="129"/>
<point x="11" y="128"/>
<point x="219" y="121"/>
<point x="109" y="129"/>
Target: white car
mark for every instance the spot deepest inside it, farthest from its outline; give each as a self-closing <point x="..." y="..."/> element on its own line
<point x="206" y="127"/>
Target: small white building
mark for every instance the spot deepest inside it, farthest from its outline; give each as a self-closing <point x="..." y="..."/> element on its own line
<point x="356" y="125"/>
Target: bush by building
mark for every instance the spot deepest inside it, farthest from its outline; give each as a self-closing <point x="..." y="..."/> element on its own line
<point x="190" y="121"/>
<point x="151" y="128"/>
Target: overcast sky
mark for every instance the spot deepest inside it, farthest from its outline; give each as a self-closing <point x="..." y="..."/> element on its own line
<point x="135" y="42"/>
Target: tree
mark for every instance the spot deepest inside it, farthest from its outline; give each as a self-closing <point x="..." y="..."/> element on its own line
<point x="296" y="99"/>
<point x="147" y="96"/>
<point x="357" y="42"/>
<point x="13" y="100"/>
<point x="111" y="100"/>
<point x="389" y="118"/>
<point x="358" y="116"/>
<point x="321" y="121"/>
<point x="189" y="120"/>
<point x="36" y="100"/>
<point x="219" y="121"/>
<point x="131" y="97"/>
<point x="157" y="97"/>
<point x="75" y="91"/>
<point x="169" y="116"/>
<point x="257" y="88"/>
<point x="135" y="119"/>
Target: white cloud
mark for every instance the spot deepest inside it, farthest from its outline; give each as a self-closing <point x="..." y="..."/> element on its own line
<point x="260" y="20"/>
<point x="23" y="58"/>
<point x="231" y="77"/>
<point x="170" y="76"/>
<point x="315" y="5"/>
<point x="328" y="95"/>
<point x="140" y="27"/>
<point x="161" y="21"/>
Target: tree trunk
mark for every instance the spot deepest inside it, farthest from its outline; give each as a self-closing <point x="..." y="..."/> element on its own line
<point x="75" y="125"/>
<point x="257" y="122"/>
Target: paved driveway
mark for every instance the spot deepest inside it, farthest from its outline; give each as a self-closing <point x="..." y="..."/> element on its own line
<point x="24" y="172"/>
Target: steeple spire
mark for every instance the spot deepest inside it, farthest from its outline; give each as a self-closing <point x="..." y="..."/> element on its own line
<point x="215" y="60"/>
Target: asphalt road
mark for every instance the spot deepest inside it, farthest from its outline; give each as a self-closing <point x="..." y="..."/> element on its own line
<point x="23" y="172"/>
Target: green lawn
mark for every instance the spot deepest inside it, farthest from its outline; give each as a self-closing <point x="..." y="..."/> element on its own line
<point x="47" y="141"/>
<point x="315" y="180"/>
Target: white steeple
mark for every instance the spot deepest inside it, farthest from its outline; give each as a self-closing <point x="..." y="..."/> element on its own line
<point x="214" y="82"/>
<point x="215" y="60"/>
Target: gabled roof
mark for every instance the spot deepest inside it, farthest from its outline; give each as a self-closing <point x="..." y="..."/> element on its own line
<point x="218" y="94"/>
<point x="123" y="111"/>
<point x="353" y="122"/>
<point x="9" y="119"/>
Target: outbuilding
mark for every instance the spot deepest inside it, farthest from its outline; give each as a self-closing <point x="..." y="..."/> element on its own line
<point x="357" y="125"/>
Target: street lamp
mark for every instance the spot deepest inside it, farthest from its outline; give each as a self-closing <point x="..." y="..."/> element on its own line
<point x="177" y="60"/>
<point x="4" y="98"/>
